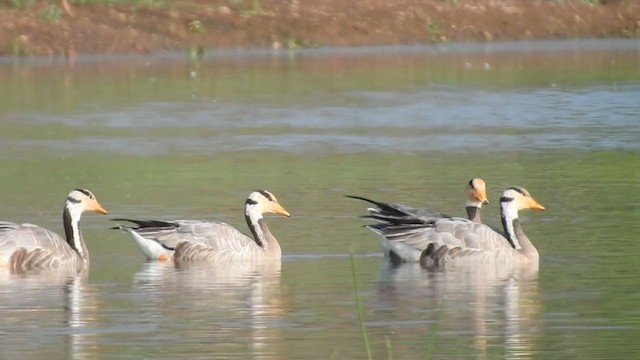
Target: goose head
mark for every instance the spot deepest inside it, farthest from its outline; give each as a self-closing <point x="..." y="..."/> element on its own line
<point x="512" y="200"/>
<point x="77" y="202"/>
<point x="262" y="202"/>
<point x="476" y="192"/>
<point x="519" y="198"/>
<point x="81" y="200"/>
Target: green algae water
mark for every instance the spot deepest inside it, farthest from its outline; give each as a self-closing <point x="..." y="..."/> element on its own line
<point x="160" y="137"/>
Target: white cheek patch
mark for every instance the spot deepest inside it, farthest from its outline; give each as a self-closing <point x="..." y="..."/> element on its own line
<point x="510" y="212"/>
<point x="253" y="212"/>
<point x="471" y="203"/>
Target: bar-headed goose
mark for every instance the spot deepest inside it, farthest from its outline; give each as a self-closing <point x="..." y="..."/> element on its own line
<point x="25" y="247"/>
<point x="459" y="241"/>
<point x="389" y="215"/>
<point x="476" y="196"/>
<point x="200" y="240"/>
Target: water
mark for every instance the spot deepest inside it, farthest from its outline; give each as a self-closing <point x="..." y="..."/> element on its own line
<point x="160" y="137"/>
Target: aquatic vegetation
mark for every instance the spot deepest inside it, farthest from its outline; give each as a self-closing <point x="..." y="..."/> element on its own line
<point x="52" y="12"/>
<point x="356" y="294"/>
<point x="434" y="29"/>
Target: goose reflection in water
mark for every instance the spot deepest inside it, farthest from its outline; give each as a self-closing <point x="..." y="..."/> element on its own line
<point x="217" y="306"/>
<point x="46" y="315"/>
<point x="495" y="301"/>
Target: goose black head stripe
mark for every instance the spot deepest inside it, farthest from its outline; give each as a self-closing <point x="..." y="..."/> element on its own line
<point x="519" y="189"/>
<point x="266" y="194"/>
<point x="506" y="199"/>
<point x="73" y="200"/>
<point x="86" y="192"/>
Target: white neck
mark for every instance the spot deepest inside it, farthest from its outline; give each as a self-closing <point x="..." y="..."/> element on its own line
<point x="509" y="212"/>
<point x="71" y="219"/>
<point x="253" y="215"/>
<point x="470" y="203"/>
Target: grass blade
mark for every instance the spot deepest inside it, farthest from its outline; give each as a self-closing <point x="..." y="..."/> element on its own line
<point x="356" y="293"/>
<point x="434" y="329"/>
<point x="389" y="350"/>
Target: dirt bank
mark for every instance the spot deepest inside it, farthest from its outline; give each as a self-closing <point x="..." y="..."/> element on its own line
<point x="45" y="28"/>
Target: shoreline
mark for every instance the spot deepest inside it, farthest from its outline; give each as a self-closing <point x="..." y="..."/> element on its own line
<point x="206" y="26"/>
<point x="507" y="46"/>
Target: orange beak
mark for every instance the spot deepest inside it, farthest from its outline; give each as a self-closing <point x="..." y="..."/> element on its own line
<point x="482" y="197"/>
<point x="534" y="205"/>
<point x="278" y="209"/>
<point x="98" y="208"/>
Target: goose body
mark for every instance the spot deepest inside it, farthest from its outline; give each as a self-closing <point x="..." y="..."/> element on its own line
<point x="439" y="240"/>
<point x="408" y="249"/>
<point x="209" y="241"/>
<point x="25" y="247"/>
<point x="459" y="241"/>
<point x="387" y="213"/>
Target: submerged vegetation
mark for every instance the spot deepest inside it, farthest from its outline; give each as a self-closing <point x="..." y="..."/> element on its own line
<point x="356" y="294"/>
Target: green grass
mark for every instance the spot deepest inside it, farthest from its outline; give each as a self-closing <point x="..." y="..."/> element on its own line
<point x="434" y="330"/>
<point x="21" y="4"/>
<point x="356" y="293"/>
<point x="434" y="29"/>
<point x="52" y="12"/>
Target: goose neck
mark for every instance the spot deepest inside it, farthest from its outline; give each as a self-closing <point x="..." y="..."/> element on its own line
<point x="261" y="234"/>
<point x="509" y="217"/>
<point x="71" y="220"/>
<point x="254" y="223"/>
<point x="473" y="213"/>
<point x="527" y="248"/>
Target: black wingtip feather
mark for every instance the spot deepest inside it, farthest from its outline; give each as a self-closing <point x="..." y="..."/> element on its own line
<point x="363" y="199"/>
<point x="384" y="209"/>
<point x="148" y="223"/>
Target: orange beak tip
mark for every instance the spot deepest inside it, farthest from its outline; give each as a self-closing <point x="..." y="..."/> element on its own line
<point x="282" y="211"/>
<point x="539" y="207"/>
<point x="100" y="210"/>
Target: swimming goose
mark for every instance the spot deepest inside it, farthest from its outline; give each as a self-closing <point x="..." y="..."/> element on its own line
<point x="476" y="196"/>
<point x="25" y="247"/>
<point x="200" y="240"/>
<point x="458" y="240"/>
<point x="387" y="215"/>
